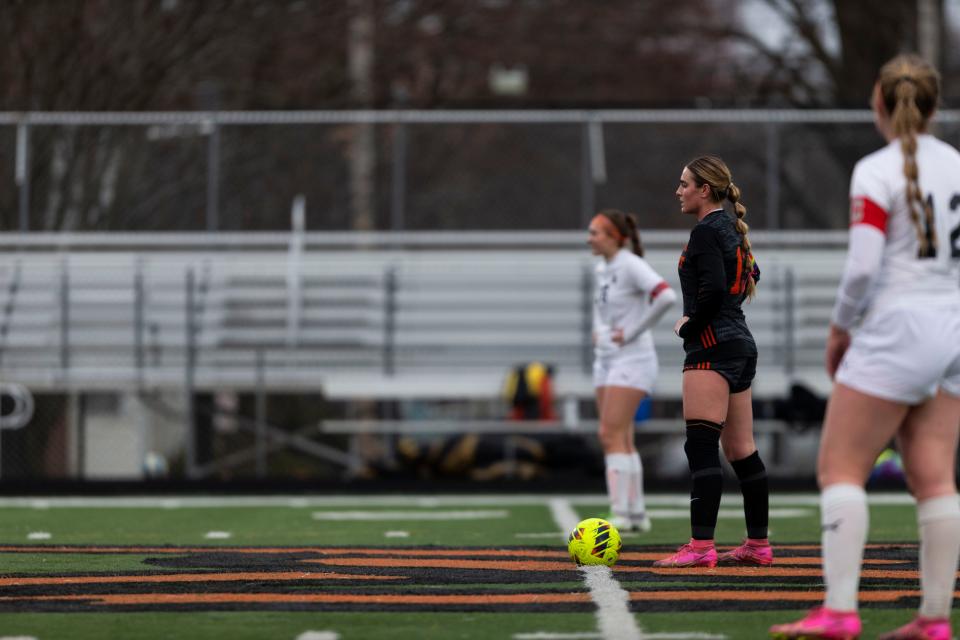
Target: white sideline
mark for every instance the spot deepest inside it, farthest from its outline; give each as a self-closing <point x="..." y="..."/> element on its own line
<point x="733" y="514"/>
<point x="547" y="635"/>
<point x="682" y="635"/>
<point x="301" y="502"/>
<point x="613" y="614"/>
<point x="314" y="635"/>
<point x="218" y="535"/>
<point x="682" y="514"/>
<point x="488" y="514"/>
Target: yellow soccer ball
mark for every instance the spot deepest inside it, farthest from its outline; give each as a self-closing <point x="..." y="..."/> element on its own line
<point x="594" y="541"/>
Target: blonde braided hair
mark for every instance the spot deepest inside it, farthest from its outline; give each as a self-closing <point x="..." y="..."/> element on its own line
<point x="714" y="172"/>
<point x="910" y="89"/>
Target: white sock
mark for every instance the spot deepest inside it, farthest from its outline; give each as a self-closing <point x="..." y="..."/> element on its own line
<point x="637" y="503"/>
<point x="939" y="520"/>
<point x="844" y="520"/>
<point x="618" y="482"/>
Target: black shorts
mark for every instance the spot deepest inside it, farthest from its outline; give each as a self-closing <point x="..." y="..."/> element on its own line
<point x="738" y="372"/>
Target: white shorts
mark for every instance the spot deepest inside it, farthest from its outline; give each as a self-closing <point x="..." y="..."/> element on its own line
<point x="633" y="372"/>
<point x="905" y="354"/>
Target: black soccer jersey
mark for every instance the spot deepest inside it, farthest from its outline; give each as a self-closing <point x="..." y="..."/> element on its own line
<point x="714" y="271"/>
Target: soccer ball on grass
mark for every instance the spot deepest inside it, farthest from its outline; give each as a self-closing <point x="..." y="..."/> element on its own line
<point x="594" y="541"/>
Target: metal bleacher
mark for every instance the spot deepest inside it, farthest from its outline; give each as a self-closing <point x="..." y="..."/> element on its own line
<point x="409" y="315"/>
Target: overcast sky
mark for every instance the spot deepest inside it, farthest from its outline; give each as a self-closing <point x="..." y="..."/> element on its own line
<point x="767" y="23"/>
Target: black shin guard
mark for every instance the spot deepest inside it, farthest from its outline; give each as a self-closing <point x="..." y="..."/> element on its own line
<point x="703" y="455"/>
<point x="756" y="493"/>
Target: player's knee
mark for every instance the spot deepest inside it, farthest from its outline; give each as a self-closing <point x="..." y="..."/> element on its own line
<point x="739" y="449"/>
<point x="610" y="435"/>
<point x="929" y="481"/>
<point x="702" y="445"/>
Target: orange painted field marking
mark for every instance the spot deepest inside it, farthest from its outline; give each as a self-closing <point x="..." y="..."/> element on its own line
<point x="398" y="551"/>
<point x="328" y="598"/>
<point x="453" y="553"/>
<point x="537" y="553"/>
<point x="441" y="563"/>
<point x="792" y="596"/>
<point x="190" y="577"/>
<point x="537" y="565"/>
<point x="453" y="599"/>
<point x="791" y="560"/>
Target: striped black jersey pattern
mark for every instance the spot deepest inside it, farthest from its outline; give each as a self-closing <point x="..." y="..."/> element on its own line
<point x="714" y="271"/>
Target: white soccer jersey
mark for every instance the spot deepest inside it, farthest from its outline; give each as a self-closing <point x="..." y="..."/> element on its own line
<point x="884" y="267"/>
<point x="625" y="288"/>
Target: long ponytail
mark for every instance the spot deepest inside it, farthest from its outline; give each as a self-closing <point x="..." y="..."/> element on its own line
<point x="631" y="221"/>
<point x="712" y="171"/>
<point x="626" y="226"/>
<point x="910" y="88"/>
<point x="733" y="195"/>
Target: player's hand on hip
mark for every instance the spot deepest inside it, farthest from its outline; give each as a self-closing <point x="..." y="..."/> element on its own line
<point x="682" y="321"/>
<point x="616" y="336"/>
<point x="837" y="344"/>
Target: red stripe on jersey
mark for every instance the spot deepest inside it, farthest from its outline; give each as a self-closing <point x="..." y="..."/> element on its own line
<point x="863" y="210"/>
<point x="736" y="281"/>
<point x="704" y="339"/>
<point x="657" y="289"/>
<point x="707" y="338"/>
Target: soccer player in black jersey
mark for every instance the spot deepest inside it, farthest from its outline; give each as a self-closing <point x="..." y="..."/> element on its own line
<point x="717" y="273"/>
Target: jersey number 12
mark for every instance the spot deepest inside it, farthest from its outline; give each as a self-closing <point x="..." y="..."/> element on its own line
<point x="931" y="252"/>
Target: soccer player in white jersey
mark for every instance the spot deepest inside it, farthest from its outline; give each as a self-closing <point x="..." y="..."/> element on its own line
<point x="629" y="298"/>
<point x="899" y="374"/>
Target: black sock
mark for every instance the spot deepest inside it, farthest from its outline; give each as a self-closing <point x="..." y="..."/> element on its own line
<point x="756" y="493"/>
<point x="703" y="455"/>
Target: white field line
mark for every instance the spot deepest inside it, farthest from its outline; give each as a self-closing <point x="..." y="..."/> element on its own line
<point x="301" y="502"/>
<point x="683" y="635"/>
<point x="488" y="514"/>
<point x="218" y="535"/>
<point x="613" y="609"/>
<point x="668" y="514"/>
<point x="681" y="514"/>
<point x="319" y="635"/>
<point x="563" y="514"/>
<point x="396" y="534"/>
<point x="613" y="613"/>
<point x="547" y="635"/>
<point x="614" y="618"/>
<point x="39" y="535"/>
<point x="17" y="638"/>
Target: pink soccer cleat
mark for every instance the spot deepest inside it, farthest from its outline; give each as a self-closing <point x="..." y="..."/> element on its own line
<point x="749" y="554"/>
<point x="921" y="629"/>
<point x="695" y="553"/>
<point x="820" y="624"/>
